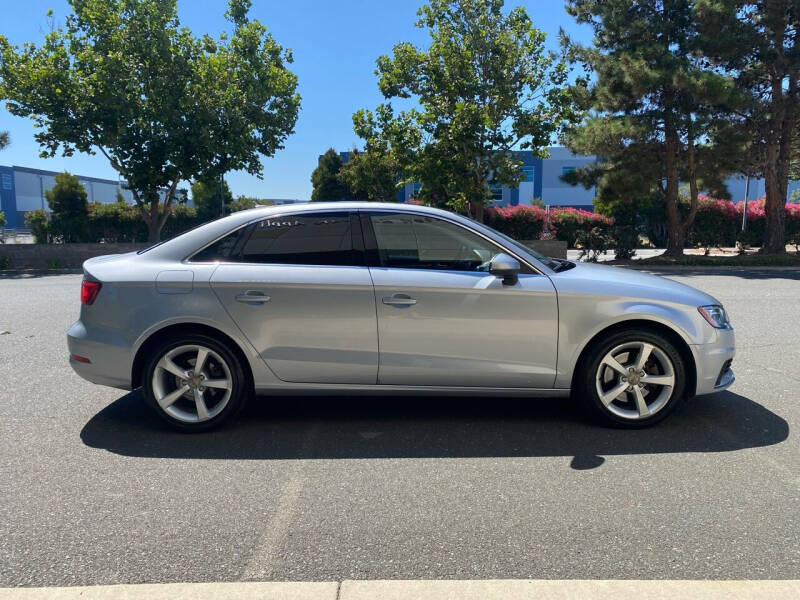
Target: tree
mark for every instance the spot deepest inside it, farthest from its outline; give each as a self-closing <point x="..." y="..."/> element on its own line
<point x="327" y="186"/>
<point x="123" y="78"/>
<point x="211" y="198"/>
<point x="759" y="41"/>
<point x="484" y="86"/>
<point x="371" y="176"/>
<point x="69" y="208"/>
<point x="4" y="139"/>
<point x="656" y="108"/>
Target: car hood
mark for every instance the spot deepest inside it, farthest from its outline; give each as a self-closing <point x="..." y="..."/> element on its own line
<point x="619" y="281"/>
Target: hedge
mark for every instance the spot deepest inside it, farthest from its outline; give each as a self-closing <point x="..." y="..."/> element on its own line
<point x="532" y="222"/>
<point x="112" y="223"/>
<point x="718" y="223"/>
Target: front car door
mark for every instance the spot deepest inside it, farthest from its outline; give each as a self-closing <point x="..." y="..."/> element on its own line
<point x="297" y="287"/>
<point x="443" y="320"/>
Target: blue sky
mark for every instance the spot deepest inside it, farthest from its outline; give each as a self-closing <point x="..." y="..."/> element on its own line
<point x="335" y="45"/>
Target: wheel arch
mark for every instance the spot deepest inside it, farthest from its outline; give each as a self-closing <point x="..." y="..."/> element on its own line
<point x="649" y="325"/>
<point x="177" y="329"/>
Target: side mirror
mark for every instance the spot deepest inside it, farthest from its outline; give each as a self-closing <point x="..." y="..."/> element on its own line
<point x="503" y="265"/>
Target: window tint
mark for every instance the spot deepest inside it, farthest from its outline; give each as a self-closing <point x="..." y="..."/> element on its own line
<point x="421" y="242"/>
<point x="313" y="239"/>
<point x="221" y="250"/>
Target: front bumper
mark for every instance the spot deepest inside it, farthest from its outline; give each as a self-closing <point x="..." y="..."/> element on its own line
<point x="714" y="359"/>
<point x="109" y="353"/>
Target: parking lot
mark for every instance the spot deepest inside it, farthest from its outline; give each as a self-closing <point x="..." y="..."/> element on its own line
<point x="94" y="490"/>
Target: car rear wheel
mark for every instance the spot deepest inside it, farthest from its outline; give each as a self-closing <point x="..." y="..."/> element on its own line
<point x="632" y="379"/>
<point x="194" y="383"/>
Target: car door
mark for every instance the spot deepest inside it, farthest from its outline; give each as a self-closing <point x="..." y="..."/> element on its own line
<point x="443" y="320"/>
<point x="297" y="287"/>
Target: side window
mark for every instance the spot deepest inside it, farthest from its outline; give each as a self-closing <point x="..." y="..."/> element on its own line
<point x="421" y="242"/>
<point x="304" y="239"/>
<point x="222" y="250"/>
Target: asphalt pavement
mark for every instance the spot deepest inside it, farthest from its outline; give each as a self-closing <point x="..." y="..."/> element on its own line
<point x="94" y="490"/>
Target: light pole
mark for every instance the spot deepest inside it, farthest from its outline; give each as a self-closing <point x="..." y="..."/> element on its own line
<point x="746" y="197"/>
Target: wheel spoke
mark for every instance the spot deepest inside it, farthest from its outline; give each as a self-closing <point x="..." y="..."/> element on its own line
<point x="613" y="393"/>
<point x="659" y="379"/>
<point x="644" y="353"/>
<point x="167" y="364"/>
<point x="220" y="384"/>
<point x="170" y="398"/>
<point x="200" y="403"/>
<point x="613" y="363"/>
<point x="641" y="405"/>
<point x="200" y="362"/>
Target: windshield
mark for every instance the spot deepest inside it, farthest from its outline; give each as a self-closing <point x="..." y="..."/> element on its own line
<point x="551" y="263"/>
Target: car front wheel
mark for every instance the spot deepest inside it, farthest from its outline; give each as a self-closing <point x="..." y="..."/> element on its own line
<point x="194" y="383"/>
<point x="633" y="379"/>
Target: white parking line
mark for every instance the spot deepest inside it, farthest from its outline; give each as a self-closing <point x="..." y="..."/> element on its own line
<point x="498" y="589"/>
<point x="569" y="590"/>
<point x="182" y="591"/>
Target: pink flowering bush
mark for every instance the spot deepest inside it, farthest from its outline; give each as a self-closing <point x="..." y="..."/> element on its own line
<point x="715" y="224"/>
<point x="519" y="222"/>
<point x="569" y="223"/>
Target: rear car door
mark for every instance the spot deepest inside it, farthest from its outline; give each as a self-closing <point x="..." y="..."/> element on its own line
<point x="443" y="320"/>
<point x="297" y="287"/>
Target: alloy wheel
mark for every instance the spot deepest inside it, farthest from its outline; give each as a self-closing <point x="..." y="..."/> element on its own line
<point x="635" y="380"/>
<point x="192" y="383"/>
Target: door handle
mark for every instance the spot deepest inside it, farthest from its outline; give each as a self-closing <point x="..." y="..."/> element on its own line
<point x="253" y="298"/>
<point x="399" y="300"/>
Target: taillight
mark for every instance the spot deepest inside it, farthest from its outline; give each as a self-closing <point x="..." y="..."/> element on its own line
<point x="89" y="291"/>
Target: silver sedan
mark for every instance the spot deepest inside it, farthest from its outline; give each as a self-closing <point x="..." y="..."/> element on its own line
<point x="363" y="298"/>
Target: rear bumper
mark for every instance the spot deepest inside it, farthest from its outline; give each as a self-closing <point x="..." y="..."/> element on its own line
<point x="714" y="372"/>
<point x="109" y="353"/>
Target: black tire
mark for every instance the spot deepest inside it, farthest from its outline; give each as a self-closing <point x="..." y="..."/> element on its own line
<point x="240" y="386"/>
<point x="586" y="380"/>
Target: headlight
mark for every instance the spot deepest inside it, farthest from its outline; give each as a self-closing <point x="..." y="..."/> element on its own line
<point x="715" y="315"/>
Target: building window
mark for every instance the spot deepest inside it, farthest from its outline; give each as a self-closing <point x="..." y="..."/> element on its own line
<point x="527" y="173"/>
<point x="6" y="181"/>
<point x="497" y="192"/>
<point x="565" y="170"/>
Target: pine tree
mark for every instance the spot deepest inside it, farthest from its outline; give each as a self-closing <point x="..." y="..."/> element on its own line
<point x="656" y="107"/>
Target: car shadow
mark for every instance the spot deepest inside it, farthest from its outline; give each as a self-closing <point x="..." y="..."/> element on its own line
<point x="391" y="427"/>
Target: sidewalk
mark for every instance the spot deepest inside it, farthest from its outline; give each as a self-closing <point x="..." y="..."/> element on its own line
<point x="498" y="589"/>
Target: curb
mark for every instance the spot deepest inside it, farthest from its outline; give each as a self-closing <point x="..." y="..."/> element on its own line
<point x="490" y="589"/>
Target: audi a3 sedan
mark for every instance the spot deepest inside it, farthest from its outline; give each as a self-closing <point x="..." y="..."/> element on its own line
<point x="381" y="299"/>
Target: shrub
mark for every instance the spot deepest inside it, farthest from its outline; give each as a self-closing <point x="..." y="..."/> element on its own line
<point x="39" y="224"/>
<point x="2" y="219"/>
<point x="756" y="223"/>
<point x="715" y="224"/>
<point x="793" y="224"/>
<point x="568" y="223"/>
<point x="3" y="262"/>
<point x="519" y="222"/>
<point x="594" y="242"/>
<point x="116" y="223"/>
<point x="68" y="205"/>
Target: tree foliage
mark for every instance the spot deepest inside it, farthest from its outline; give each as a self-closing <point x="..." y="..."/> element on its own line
<point x="69" y="207"/>
<point x="4" y="139"/>
<point x="327" y="186"/>
<point x="759" y="42"/>
<point x="658" y="112"/>
<point x="123" y="78"/>
<point x="371" y="175"/>
<point x="211" y="198"/>
<point x="484" y="86"/>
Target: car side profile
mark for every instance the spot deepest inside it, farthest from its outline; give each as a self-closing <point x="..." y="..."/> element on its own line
<point x="380" y="299"/>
